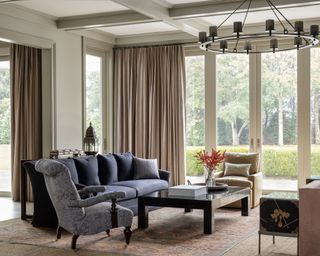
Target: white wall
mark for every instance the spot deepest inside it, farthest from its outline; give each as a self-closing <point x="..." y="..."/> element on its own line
<point x="26" y="28"/>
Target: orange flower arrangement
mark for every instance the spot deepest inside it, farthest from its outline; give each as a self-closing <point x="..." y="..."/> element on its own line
<point x="211" y="161"/>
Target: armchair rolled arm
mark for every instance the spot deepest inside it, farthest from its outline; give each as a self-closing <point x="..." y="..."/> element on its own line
<point x="164" y="175"/>
<point x="90" y="189"/>
<point x="96" y="199"/>
<point x="256" y="179"/>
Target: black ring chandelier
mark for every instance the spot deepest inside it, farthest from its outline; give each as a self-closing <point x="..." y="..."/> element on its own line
<point x="301" y="39"/>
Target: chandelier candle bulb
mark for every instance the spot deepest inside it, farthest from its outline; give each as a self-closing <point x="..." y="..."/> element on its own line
<point x="274" y="44"/>
<point x="202" y="37"/>
<point x="270" y="26"/>
<point x="213" y="31"/>
<point x="237" y="27"/>
<point x="298" y="27"/>
<point x="314" y="30"/>
<point x="223" y="45"/>
<point x="247" y="46"/>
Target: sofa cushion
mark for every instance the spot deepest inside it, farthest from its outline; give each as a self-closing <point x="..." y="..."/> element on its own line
<point x="108" y="169"/>
<point x="144" y="186"/>
<point x="72" y="168"/>
<point x="87" y="168"/>
<point x="243" y="158"/>
<point x="125" y="168"/>
<point x="145" y="168"/>
<point x="129" y="192"/>
<point x="237" y="169"/>
<point x="236" y="181"/>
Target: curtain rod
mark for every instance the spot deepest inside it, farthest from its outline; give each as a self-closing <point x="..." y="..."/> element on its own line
<point x="154" y="45"/>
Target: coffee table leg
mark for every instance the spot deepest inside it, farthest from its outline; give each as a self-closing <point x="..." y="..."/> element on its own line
<point x="143" y="218"/>
<point x="208" y="223"/>
<point x="245" y="209"/>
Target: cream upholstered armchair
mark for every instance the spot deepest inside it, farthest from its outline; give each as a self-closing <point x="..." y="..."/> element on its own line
<point x="252" y="179"/>
<point x="82" y="216"/>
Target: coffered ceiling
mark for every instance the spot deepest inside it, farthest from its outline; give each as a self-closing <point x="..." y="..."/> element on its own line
<point x="127" y="19"/>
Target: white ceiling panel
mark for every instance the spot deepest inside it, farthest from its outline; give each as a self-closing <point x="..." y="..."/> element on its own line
<point x="64" y="8"/>
<point x="142" y="28"/>
<point x="176" y="2"/>
<point x="260" y="16"/>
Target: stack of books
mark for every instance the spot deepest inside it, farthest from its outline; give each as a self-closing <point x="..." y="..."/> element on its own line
<point x="187" y="190"/>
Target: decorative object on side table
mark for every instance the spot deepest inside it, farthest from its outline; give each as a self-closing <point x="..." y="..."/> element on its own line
<point x="210" y="162"/>
<point x="90" y="141"/>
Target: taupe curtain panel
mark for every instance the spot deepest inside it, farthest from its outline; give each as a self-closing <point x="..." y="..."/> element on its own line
<point x="26" y="121"/>
<point x="149" y="105"/>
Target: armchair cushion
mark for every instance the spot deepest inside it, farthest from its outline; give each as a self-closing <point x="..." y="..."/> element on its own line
<point x="243" y="158"/>
<point x="87" y="168"/>
<point x="237" y="169"/>
<point x="108" y="169"/>
<point x="124" y="162"/>
<point x="236" y="181"/>
<point x="145" y="168"/>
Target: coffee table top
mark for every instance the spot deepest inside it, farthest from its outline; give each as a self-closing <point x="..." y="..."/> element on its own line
<point x="231" y="191"/>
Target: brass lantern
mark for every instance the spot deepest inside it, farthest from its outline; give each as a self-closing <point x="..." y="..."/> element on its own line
<point x="90" y="141"/>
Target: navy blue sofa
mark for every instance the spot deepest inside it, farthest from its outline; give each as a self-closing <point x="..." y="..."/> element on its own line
<point x="114" y="171"/>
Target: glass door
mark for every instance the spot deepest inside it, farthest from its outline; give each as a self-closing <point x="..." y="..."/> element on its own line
<point x="232" y="99"/>
<point x="279" y="120"/>
<point x="93" y="95"/>
<point x="5" y="144"/>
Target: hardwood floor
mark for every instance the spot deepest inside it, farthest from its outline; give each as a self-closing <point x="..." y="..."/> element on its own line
<point x="9" y="209"/>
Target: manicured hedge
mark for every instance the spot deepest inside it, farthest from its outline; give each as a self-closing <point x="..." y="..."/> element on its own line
<point x="277" y="161"/>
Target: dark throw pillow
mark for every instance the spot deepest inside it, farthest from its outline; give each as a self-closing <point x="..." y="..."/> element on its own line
<point x="87" y="168"/>
<point x="125" y="168"/>
<point x="108" y="169"/>
<point x="145" y="168"/>
<point x="72" y="168"/>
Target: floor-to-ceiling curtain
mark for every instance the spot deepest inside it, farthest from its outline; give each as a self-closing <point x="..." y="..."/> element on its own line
<point x="149" y="105"/>
<point x="26" y="110"/>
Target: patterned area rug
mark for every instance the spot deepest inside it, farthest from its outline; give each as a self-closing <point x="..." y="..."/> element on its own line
<point x="170" y="232"/>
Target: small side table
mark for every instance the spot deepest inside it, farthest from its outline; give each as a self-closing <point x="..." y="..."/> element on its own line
<point x="279" y="215"/>
<point x="312" y="178"/>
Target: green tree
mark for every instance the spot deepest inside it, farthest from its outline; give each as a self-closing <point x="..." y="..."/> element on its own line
<point x="195" y="107"/>
<point x="233" y="93"/>
<point x="279" y="93"/>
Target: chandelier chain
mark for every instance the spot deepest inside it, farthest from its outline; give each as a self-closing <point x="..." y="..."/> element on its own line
<point x="232" y="13"/>
<point x="271" y="7"/>
<point x="247" y="12"/>
<point x="289" y="22"/>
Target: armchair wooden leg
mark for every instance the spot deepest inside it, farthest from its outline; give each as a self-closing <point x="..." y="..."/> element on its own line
<point x="127" y="233"/>
<point x="59" y="230"/>
<point x="74" y="241"/>
<point x="108" y="232"/>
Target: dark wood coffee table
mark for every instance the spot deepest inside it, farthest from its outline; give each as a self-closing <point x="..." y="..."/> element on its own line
<point x="207" y="202"/>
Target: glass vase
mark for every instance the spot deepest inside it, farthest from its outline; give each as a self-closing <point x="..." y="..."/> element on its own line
<point x="209" y="178"/>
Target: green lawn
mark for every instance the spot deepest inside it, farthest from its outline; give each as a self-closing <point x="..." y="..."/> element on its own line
<point x="278" y="161"/>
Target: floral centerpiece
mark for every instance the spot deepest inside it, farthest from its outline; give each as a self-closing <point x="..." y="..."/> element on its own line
<point x="210" y="162"/>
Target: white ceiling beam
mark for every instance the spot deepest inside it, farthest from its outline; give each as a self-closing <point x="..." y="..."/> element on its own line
<point x="101" y="20"/>
<point x="158" y="12"/>
<point x="155" y="39"/>
<point x="200" y="10"/>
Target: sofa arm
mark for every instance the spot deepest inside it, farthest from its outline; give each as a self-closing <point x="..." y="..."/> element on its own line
<point x="256" y="179"/>
<point x="164" y="175"/>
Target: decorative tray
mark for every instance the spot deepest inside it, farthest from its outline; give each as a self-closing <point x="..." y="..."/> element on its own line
<point x="219" y="186"/>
